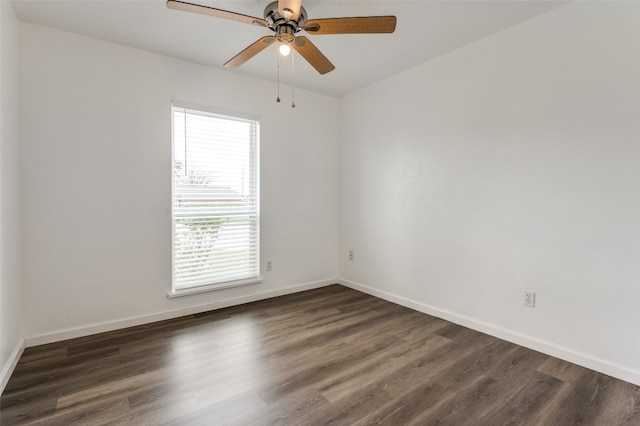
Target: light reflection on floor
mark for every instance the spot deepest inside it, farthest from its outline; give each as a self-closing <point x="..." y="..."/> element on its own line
<point x="237" y="361"/>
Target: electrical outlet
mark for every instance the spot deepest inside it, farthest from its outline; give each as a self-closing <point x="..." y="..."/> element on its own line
<point x="269" y="266"/>
<point x="351" y="255"/>
<point x="530" y="298"/>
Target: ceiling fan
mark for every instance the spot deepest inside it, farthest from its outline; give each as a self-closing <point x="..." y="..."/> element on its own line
<point x="286" y="18"/>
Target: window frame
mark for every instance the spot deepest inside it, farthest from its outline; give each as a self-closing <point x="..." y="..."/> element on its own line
<point x="254" y="159"/>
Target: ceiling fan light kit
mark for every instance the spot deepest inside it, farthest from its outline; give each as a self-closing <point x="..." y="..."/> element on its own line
<point x="286" y="18"/>
<point x="284" y="49"/>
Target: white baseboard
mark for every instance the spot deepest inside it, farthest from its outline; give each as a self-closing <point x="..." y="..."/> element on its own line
<point x="161" y="316"/>
<point x="7" y="369"/>
<point x="530" y="342"/>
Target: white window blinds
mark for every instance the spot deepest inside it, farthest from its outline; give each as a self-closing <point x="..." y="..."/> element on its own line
<point x="214" y="199"/>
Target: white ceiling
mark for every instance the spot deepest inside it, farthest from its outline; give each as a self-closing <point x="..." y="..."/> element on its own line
<point x="425" y="30"/>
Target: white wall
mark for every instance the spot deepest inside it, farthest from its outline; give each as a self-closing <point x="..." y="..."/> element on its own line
<point x="11" y="320"/>
<point x="96" y="183"/>
<point x="512" y="164"/>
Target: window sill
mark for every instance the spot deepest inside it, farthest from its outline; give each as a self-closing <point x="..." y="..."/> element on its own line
<point x="213" y="287"/>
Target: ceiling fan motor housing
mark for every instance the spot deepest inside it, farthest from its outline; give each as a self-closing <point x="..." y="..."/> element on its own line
<point x="284" y="29"/>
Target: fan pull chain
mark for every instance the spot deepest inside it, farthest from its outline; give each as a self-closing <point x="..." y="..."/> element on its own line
<point x="293" y="81"/>
<point x="278" y="60"/>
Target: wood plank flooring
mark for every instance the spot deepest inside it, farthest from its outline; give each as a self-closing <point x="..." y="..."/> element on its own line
<point x="327" y="356"/>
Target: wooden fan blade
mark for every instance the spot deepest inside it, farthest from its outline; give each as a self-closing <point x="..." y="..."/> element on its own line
<point x="354" y="25"/>
<point x="313" y="55"/>
<point x="250" y="52"/>
<point x="212" y="11"/>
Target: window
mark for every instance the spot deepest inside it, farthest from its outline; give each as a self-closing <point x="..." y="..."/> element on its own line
<point x="215" y="200"/>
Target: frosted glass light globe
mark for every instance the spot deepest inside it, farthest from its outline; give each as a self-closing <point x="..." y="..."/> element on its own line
<point x="284" y="49"/>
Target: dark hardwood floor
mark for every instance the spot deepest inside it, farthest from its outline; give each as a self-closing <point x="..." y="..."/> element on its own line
<point x="326" y="356"/>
